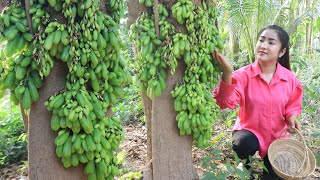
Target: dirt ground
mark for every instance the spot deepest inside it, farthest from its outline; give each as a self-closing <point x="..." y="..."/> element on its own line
<point x="135" y="146"/>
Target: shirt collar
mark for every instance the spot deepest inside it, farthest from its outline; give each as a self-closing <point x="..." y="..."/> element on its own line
<point x="280" y="73"/>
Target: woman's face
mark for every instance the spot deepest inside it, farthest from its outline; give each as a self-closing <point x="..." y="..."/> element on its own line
<point x="268" y="46"/>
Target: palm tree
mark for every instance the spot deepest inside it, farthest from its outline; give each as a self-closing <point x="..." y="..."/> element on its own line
<point x="247" y="17"/>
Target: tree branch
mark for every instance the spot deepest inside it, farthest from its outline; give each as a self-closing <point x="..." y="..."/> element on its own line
<point x="156" y="17"/>
<point x="27" y="7"/>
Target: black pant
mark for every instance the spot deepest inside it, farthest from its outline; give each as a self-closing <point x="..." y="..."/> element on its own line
<point x="245" y="144"/>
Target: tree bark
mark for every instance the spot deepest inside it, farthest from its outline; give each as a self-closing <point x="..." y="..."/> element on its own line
<point x="3" y="4"/>
<point x="147" y="105"/>
<point x="171" y="153"/>
<point x="134" y="10"/>
<point x="308" y="27"/>
<point x="24" y="119"/>
<point x="234" y="43"/>
<point x="43" y="161"/>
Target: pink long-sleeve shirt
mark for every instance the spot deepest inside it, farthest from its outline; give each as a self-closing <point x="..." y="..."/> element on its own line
<point x="263" y="107"/>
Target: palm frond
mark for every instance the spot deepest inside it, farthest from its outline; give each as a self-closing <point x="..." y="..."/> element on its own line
<point x="281" y="10"/>
<point x="293" y="27"/>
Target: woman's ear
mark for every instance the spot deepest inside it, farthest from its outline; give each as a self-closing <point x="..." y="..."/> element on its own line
<point x="282" y="52"/>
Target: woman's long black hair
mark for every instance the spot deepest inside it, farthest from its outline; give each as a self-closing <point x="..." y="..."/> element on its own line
<point x="284" y="39"/>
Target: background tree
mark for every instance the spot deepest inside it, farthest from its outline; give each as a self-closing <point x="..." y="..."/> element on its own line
<point x="175" y="71"/>
<point x="65" y="57"/>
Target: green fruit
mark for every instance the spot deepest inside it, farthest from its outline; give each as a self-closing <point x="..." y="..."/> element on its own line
<point x="8" y="82"/>
<point x="21" y="44"/>
<point x="152" y="70"/>
<point x="21" y="27"/>
<point x="11" y="47"/>
<point x="64" y="37"/>
<point x="11" y="32"/>
<point x="33" y="90"/>
<point x="48" y="42"/>
<point x="52" y="2"/>
<point x="62" y="137"/>
<point x="67" y="148"/>
<point x="6" y="19"/>
<point x="55" y="122"/>
<point x="56" y="37"/>
<point x="26" y="99"/>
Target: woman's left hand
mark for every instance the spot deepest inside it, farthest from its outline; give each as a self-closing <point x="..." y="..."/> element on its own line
<point x="293" y="123"/>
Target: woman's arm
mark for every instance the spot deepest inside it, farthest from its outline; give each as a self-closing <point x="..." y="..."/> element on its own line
<point x="294" y="108"/>
<point x="227" y="95"/>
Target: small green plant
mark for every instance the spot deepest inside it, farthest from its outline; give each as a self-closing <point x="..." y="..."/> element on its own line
<point x="220" y="167"/>
<point x="131" y="176"/>
<point x="126" y="174"/>
<point x="129" y="108"/>
<point x="224" y="170"/>
<point x="13" y="141"/>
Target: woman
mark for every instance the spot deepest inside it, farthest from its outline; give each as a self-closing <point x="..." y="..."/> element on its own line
<point x="269" y="95"/>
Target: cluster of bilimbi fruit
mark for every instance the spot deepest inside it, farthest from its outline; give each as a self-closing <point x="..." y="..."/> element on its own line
<point x="193" y="102"/>
<point x="88" y="42"/>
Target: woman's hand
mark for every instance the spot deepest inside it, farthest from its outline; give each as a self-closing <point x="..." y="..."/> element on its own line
<point x="293" y="123"/>
<point x="225" y="66"/>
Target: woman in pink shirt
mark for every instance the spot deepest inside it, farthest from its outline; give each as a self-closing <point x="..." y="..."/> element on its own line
<point x="269" y="95"/>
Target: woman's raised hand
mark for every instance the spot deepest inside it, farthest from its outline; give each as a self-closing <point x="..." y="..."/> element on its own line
<point x="225" y="66"/>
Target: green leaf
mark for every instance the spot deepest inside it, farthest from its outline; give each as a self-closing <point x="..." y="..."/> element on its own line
<point x="222" y="175"/>
<point x="208" y="176"/>
<point x="216" y="151"/>
<point x="218" y="158"/>
<point x="217" y="137"/>
<point x="228" y="164"/>
<point x="229" y="123"/>
<point x="317" y="155"/>
<point x="121" y="157"/>
<point x="318" y="23"/>
<point x="205" y="162"/>
<point x="262" y="165"/>
<point x="236" y="158"/>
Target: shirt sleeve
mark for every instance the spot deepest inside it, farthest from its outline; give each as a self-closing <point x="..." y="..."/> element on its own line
<point x="226" y="95"/>
<point x="294" y="105"/>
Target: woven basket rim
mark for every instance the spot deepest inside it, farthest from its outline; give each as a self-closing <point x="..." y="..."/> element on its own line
<point x="307" y="165"/>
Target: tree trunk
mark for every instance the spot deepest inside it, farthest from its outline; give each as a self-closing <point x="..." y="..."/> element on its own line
<point x="147" y="105"/>
<point x="234" y="40"/>
<point x="308" y="24"/>
<point x="314" y="2"/>
<point x="43" y="161"/>
<point x="3" y="4"/>
<point x="169" y="155"/>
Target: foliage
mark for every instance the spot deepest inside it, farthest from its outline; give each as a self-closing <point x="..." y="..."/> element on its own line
<point x="318" y="159"/>
<point x="124" y="174"/>
<point x="246" y="18"/>
<point x="306" y="67"/>
<point x="129" y="108"/>
<point x="131" y="175"/>
<point x="219" y="167"/>
<point x="13" y="145"/>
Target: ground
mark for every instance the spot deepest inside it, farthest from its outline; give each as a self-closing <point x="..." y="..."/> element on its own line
<point x="135" y="146"/>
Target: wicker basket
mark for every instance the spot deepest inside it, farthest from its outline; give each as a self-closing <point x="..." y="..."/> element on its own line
<point x="291" y="159"/>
